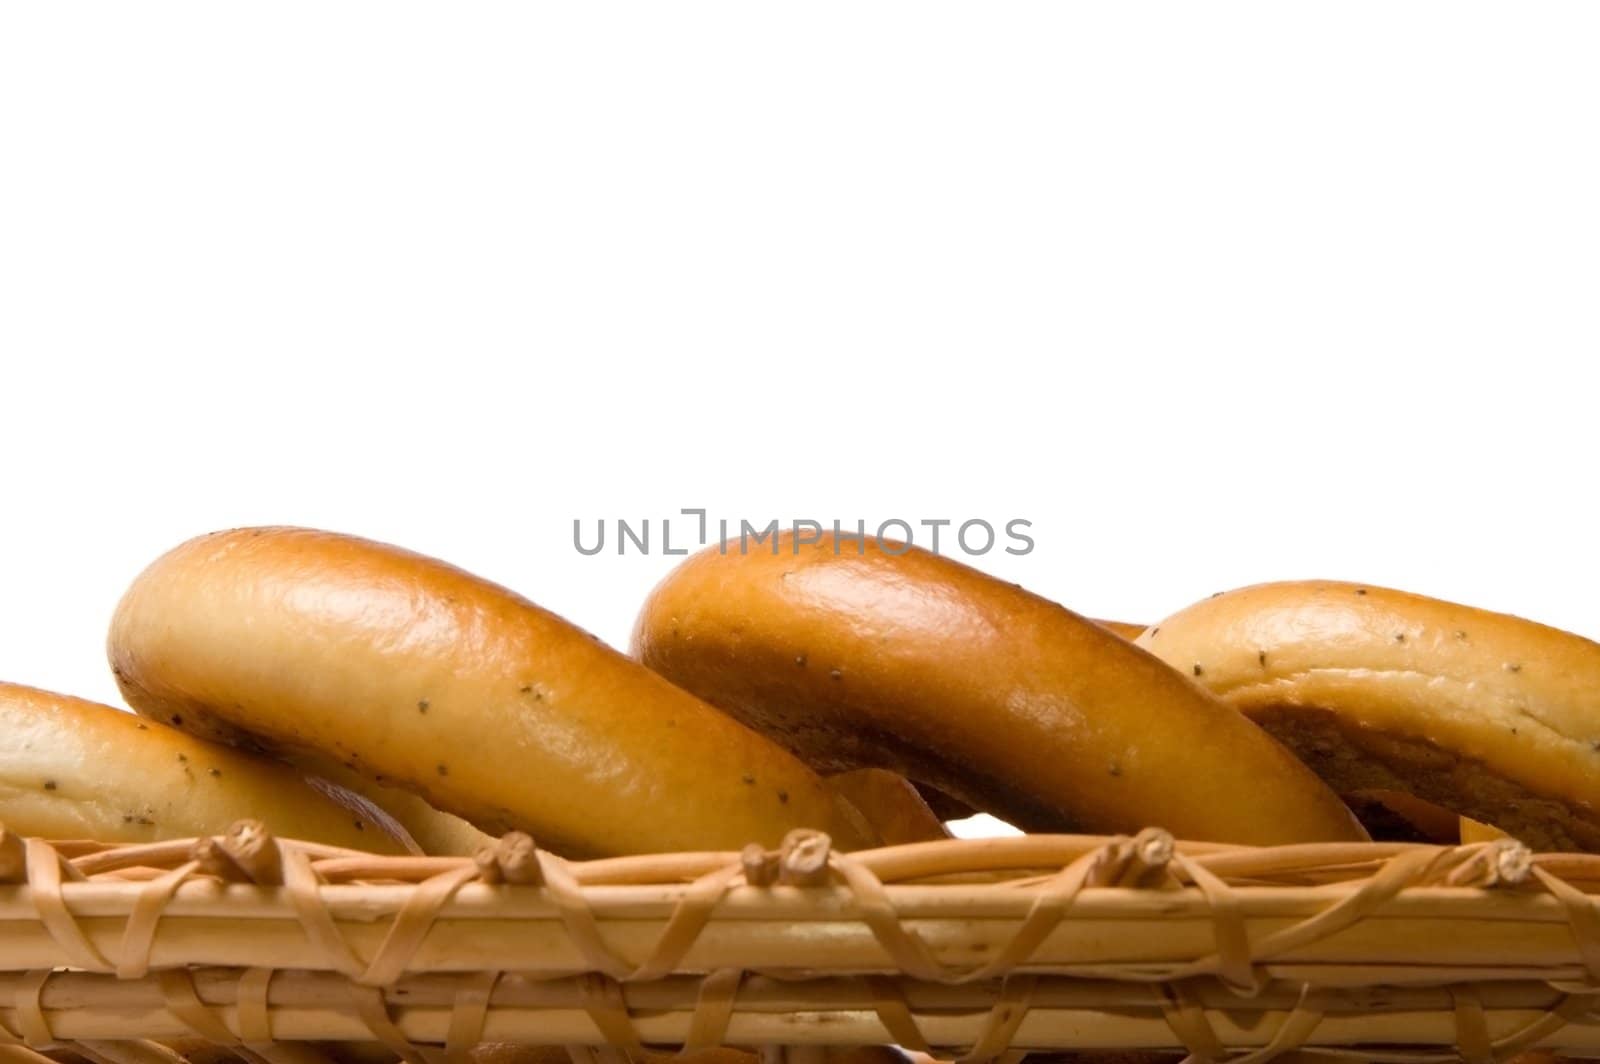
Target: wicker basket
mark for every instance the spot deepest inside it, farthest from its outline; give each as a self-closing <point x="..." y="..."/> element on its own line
<point x="975" y="948"/>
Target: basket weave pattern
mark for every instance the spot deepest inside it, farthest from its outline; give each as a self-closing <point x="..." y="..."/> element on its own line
<point x="982" y="949"/>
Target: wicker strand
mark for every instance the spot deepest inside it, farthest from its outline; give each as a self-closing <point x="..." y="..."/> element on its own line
<point x="688" y="919"/>
<point x="373" y="1009"/>
<point x="177" y="988"/>
<point x="909" y="952"/>
<point x="713" y="1009"/>
<point x="21" y="1054"/>
<point x="1392" y="876"/>
<point x="412" y="924"/>
<point x="1472" y="1028"/>
<point x="322" y="932"/>
<point x="1119" y="861"/>
<point x="252" y="997"/>
<point x="603" y="1001"/>
<point x="894" y="1012"/>
<point x="1186" y="1016"/>
<point x="1000" y="1026"/>
<point x="579" y="919"/>
<point x="1232" y="959"/>
<point x="1582" y="916"/>
<point x="469" y="1012"/>
<point x="46" y="871"/>
<point x="1572" y="1008"/>
<point x="137" y="1051"/>
<point x="1293" y="1033"/>
<point x="29" y="1006"/>
<point x="139" y="933"/>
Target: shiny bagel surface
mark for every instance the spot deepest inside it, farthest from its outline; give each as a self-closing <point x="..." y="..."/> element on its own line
<point x="75" y="769"/>
<point x="1489" y="715"/>
<point x="416" y="674"/>
<point x="857" y="657"/>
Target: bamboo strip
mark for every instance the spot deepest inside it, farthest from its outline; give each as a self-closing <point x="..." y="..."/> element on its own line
<point x="1041" y="1029"/>
<point x="205" y="897"/>
<point x="132" y="1052"/>
<point x="1305" y="863"/>
<point x="66" y="991"/>
<point x="845" y="945"/>
<point x="14" y="1054"/>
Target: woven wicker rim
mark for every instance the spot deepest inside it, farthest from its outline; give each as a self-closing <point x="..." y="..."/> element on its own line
<point x="980" y="949"/>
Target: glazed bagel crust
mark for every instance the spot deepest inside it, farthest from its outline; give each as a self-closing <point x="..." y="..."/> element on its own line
<point x="891" y="804"/>
<point x="1003" y="699"/>
<point x="73" y="769"/>
<point x="419" y="675"/>
<point x="1125" y="629"/>
<point x="1490" y="715"/>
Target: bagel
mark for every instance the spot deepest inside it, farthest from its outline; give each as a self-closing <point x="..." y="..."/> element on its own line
<point x="413" y="673"/>
<point x="891" y="804"/>
<point x="1122" y="628"/>
<point x="1471" y="830"/>
<point x="74" y="769"/>
<point x="943" y="805"/>
<point x="1491" y="716"/>
<point x="858" y="653"/>
<point x="1398" y="816"/>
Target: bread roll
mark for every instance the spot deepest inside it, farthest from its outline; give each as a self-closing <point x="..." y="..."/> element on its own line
<point x="1489" y="715"/>
<point x="411" y="672"/>
<point x="72" y="769"/>
<point x="898" y="658"/>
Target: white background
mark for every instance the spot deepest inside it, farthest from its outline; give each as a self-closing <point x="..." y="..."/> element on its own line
<point x="1211" y="293"/>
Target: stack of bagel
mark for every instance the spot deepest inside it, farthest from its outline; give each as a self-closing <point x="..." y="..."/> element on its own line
<point x="357" y="694"/>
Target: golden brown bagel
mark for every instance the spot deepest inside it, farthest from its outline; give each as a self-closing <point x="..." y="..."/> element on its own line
<point x="1398" y="816"/>
<point x="315" y="645"/>
<point x="1122" y="628"/>
<point x="891" y="805"/>
<point x="1471" y="830"/>
<point x="1001" y="698"/>
<point x="1489" y="715"/>
<point x="942" y="805"/>
<point x="72" y="769"/>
